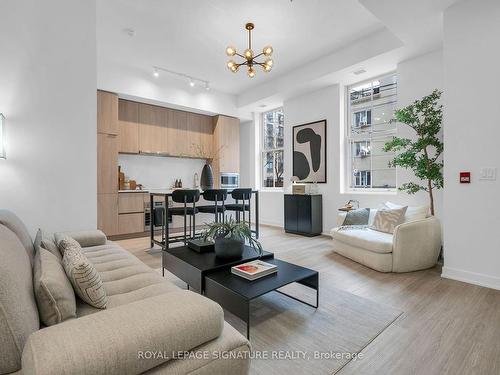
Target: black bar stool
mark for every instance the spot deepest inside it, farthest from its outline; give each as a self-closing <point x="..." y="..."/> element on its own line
<point x="218" y="196"/>
<point x="186" y="196"/>
<point x="244" y="196"/>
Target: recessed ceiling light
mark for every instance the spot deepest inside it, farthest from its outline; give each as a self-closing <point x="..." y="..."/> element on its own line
<point x="191" y="82"/>
<point x="359" y="71"/>
<point x="156" y="73"/>
<point x="263" y="105"/>
<point x="207" y="86"/>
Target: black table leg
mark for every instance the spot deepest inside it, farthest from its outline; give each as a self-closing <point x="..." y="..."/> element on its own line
<point x="151" y="219"/>
<point x="257" y="214"/>
<point x="248" y="320"/>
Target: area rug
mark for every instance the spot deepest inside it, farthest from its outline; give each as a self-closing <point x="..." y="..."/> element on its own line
<point x="289" y="337"/>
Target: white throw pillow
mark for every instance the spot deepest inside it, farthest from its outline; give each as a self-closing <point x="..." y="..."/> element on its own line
<point x="82" y="274"/>
<point x="413" y="213"/>
<point x="386" y="220"/>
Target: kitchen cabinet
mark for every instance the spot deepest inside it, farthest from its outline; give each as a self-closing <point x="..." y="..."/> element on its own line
<point x="128" y="126"/>
<point x="130" y="202"/>
<point x="178" y="142"/>
<point x="107" y="163"/>
<point x="303" y="214"/>
<point x="131" y="223"/>
<point x="107" y="113"/>
<point x="200" y="133"/>
<point x="152" y="130"/>
<point x="107" y="213"/>
<point x="226" y="144"/>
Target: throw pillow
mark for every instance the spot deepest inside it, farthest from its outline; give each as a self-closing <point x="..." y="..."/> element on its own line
<point x="357" y="217"/>
<point x="83" y="275"/>
<point x="413" y="213"/>
<point x="386" y="220"/>
<point x="50" y="245"/>
<point x="53" y="291"/>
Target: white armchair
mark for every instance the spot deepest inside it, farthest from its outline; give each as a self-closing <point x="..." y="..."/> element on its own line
<point x="415" y="245"/>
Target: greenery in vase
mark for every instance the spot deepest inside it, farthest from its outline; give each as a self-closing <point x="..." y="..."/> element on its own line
<point x="234" y="230"/>
<point x="421" y="155"/>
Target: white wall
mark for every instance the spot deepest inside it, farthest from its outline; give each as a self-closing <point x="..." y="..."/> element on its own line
<point x="417" y="77"/>
<point x="134" y="83"/>
<point x="48" y="96"/>
<point x="472" y="131"/>
<point x="247" y="154"/>
<point x="156" y="172"/>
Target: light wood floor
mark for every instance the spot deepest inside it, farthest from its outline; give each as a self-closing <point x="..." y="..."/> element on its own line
<point x="447" y="327"/>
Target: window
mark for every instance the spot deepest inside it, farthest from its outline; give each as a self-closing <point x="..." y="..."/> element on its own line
<point x="272" y="148"/>
<point x="371" y="106"/>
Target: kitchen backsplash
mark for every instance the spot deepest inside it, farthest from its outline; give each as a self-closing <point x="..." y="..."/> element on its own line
<point x="155" y="172"/>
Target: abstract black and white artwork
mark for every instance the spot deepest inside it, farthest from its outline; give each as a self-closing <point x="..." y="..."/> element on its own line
<point x="309" y="152"/>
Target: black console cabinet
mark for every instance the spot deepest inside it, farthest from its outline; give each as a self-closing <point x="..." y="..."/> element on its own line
<point x="304" y="214"/>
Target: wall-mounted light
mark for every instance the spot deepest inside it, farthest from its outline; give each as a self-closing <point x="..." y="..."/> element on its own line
<point x="3" y="154"/>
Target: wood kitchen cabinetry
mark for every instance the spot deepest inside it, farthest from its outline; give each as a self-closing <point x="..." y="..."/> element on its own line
<point x="128" y="123"/>
<point x="107" y="113"/>
<point x="226" y="145"/>
<point x="131" y="212"/>
<point x="128" y="127"/>
<point x="152" y="129"/>
<point x="107" y="162"/>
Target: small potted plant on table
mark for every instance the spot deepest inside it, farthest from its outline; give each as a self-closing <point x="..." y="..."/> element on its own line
<point x="230" y="238"/>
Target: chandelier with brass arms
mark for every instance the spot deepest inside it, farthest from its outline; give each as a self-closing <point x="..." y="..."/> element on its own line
<point x="250" y="59"/>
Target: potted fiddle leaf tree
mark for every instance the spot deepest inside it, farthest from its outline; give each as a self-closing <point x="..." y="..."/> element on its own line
<point x="422" y="153"/>
<point x="230" y="238"/>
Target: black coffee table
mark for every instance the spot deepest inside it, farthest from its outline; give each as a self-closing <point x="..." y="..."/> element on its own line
<point x="235" y="293"/>
<point x="192" y="267"/>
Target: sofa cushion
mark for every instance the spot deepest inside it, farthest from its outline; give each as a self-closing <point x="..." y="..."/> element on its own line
<point x="84" y="277"/>
<point x="85" y="238"/>
<point x="386" y="220"/>
<point x="11" y="221"/>
<point x="53" y="291"/>
<point x="18" y="310"/>
<point x="413" y="213"/>
<point x="126" y="279"/>
<point x="367" y="239"/>
<point x="49" y="245"/>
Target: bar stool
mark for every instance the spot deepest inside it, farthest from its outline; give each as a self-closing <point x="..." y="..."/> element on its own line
<point x="218" y="196"/>
<point x="244" y="196"/>
<point x="186" y="196"/>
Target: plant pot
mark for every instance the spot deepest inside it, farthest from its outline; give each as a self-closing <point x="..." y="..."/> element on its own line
<point x="207" y="178"/>
<point x="229" y="248"/>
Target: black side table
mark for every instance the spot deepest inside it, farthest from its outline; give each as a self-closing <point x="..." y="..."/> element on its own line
<point x="304" y="214"/>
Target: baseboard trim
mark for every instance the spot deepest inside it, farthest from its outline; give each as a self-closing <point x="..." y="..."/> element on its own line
<point x="270" y="224"/>
<point x="471" y="277"/>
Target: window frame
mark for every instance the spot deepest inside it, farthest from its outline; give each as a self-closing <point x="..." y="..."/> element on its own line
<point x="349" y="139"/>
<point x="274" y="150"/>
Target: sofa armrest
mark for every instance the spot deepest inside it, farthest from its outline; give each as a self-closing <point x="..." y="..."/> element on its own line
<point x="85" y="238"/>
<point x="416" y="245"/>
<point x="120" y="340"/>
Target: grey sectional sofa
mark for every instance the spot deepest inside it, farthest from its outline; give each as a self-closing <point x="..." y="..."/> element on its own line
<point x="148" y="320"/>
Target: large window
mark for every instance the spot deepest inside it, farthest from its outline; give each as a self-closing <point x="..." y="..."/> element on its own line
<point x="272" y="148"/>
<point x="371" y="106"/>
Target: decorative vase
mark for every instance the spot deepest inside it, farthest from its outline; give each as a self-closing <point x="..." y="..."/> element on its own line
<point x="229" y="248"/>
<point x="207" y="178"/>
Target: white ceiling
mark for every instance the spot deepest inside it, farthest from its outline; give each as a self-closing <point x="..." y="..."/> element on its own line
<point x="190" y="36"/>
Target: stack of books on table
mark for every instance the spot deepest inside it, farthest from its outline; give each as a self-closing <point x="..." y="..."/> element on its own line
<point x="254" y="270"/>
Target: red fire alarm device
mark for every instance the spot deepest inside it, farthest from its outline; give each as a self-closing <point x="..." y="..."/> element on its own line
<point x="465" y="177"/>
